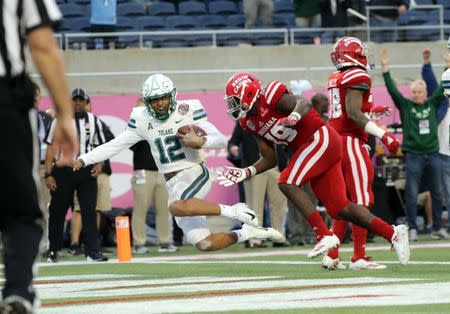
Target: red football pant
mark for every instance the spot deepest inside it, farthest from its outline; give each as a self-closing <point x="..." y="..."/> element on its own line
<point x="358" y="173"/>
<point x="319" y="161"/>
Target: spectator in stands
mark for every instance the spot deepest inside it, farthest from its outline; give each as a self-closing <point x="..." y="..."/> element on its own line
<point x="334" y="12"/>
<point x="307" y="14"/>
<point x="103" y="20"/>
<point x="386" y="18"/>
<point x="262" y="186"/>
<point x="443" y="118"/>
<point x="420" y="146"/>
<point x="44" y="120"/>
<point x="149" y="186"/>
<point x="255" y="8"/>
<point x="63" y="182"/>
<point x="103" y="195"/>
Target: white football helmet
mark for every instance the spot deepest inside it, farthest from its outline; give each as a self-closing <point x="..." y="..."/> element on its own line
<point x="446" y="82"/>
<point x="157" y="86"/>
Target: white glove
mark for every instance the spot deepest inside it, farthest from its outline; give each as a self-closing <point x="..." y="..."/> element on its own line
<point x="234" y="175"/>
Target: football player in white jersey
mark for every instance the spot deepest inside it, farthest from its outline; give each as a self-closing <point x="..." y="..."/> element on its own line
<point x="178" y="157"/>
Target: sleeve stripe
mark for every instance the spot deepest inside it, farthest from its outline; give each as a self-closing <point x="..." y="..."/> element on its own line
<point x="355" y="76"/>
<point x="132" y="123"/>
<point x="272" y="92"/>
<point x="269" y="88"/>
<point x="352" y="71"/>
<point x="199" y="113"/>
<point x="199" y="117"/>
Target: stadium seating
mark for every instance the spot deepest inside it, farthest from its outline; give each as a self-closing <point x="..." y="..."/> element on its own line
<point x="77" y="24"/>
<point x="130" y="9"/>
<point x="284" y="20"/>
<point x="445" y="3"/>
<point x="222" y="7"/>
<point x="162" y="9"/>
<point x="192" y="8"/>
<point x="180" y="22"/>
<point x="212" y="21"/>
<point x="151" y="23"/>
<point x="283" y="6"/>
<point x="236" y="20"/>
<point x="69" y="10"/>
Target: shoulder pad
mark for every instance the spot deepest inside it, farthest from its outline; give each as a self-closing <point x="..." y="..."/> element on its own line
<point x="355" y="77"/>
<point x="194" y="106"/>
<point x="137" y="117"/>
<point x="273" y="92"/>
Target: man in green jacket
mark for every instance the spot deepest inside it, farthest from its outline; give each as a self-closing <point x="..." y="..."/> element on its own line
<point x="420" y="146"/>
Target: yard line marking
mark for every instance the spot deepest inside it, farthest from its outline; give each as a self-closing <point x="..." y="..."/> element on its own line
<point x="403" y="294"/>
<point x="221" y="256"/>
<point x="122" y="289"/>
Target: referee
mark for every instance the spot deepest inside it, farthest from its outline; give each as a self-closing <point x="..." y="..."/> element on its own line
<point x="26" y="22"/>
<point x="63" y="182"/>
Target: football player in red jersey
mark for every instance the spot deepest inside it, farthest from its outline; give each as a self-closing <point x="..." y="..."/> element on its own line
<point x="273" y="115"/>
<point x="351" y="101"/>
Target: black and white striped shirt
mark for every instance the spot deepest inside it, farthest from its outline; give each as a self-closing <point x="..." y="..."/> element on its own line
<point x="18" y="18"/>
<point x="90" y="130"/>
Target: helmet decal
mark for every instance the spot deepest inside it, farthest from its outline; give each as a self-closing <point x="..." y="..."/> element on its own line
<point x="155" y="87"/>
<point x="351" y="51"/>
<point x="242" y="91"/>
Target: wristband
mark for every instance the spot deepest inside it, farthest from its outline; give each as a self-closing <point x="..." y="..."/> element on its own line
<point x="374" y="129"/>
<point x="46" y="175"/>
<point x="296" y="114"/>
<point x="250" y="171"/>
<point x="83" y="164"/>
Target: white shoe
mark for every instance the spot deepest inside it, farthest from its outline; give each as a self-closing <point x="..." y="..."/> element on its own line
<point x="365" y="263"/>
<point x="263" y="233"/>
<point x="140" y="249"/>
<point x="245" y="214"/>
<point x="440" y="234"/>
<point x="326" y="243"/>
<point x="332" y="263"/>
<point x="400" y="242"/>
<point x="412" y="235"/>
<point x="167" y="248"/>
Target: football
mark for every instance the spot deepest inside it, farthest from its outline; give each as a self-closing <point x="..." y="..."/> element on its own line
<point x="185" y="129"/>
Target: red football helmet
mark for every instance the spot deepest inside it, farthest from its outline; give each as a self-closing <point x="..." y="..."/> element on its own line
<point x="350" y="51"/>
<point x="242" y="91"/>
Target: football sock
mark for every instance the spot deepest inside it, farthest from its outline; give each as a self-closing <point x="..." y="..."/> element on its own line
<point x="382" y="228"/>
<point x="226" y="211"/>
<point x="359" y="242"/>
<point x="318" y="225"/>
<point x="339" y="228"/>
<point x="241" y="235"/>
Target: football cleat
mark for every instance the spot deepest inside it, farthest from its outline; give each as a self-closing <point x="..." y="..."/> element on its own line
<point x="366" y="263"/>
<point x="332" y="263"/>
<point x="245" y="214"/>
<point x="326" y="243"/>
<point x="400" y="243"/>
<point x="262" y="233"/>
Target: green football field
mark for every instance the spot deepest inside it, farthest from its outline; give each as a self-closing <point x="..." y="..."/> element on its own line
<point x="240" y="280"/>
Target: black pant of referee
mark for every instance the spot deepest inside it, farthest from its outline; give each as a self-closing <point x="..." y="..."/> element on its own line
<point x="20" y="210"/>
<point x="67" y="182"/>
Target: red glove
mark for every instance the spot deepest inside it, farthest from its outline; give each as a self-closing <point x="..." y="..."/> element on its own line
<point x="391" y="142"/>
<point x="290" y="120"/>
<point x="378" y="111"/>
